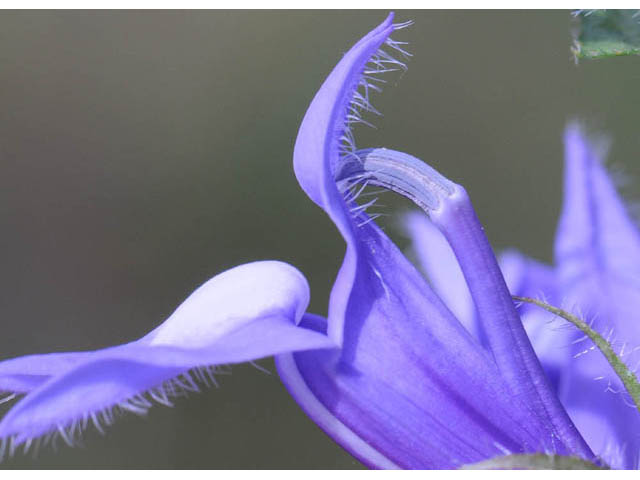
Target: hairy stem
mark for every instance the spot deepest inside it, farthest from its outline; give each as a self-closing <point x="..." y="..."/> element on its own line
<point x="628" y="378"/>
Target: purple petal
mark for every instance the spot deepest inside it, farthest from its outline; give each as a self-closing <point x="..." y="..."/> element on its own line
<point x="23" y="374"/>
<point x="601" y="409"/>
<point x="245" y="313"/>
<point x="500" y="323"/>
<point x="232" y="300"/>
<point x="597" y="244"/>
<point x="598" y="266"/>
<point x="527" y="277"/>
<point x="550" y="336"/>
<point x="411" y="383"/>
<point x="411" y="387"/>
<point x="439" y="263"/>
<point x="595" y="232"/>
<point x="316" y="154"/>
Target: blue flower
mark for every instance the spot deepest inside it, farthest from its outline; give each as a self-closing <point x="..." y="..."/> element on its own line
<point x="391" y="373"/>
<point x="596" y="275"/>
<point x="410" y="386"/>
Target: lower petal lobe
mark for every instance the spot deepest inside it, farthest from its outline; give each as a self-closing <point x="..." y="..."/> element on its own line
<point x="246" y="313"/>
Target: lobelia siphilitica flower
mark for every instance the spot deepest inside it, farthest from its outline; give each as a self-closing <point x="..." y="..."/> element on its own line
<point x="396" y="373"/>
<point x="596" y="275"/>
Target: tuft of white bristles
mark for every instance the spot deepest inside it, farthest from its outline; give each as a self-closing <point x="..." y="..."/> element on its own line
<point x="71" y="434"/>
<point x="383" y="61"/>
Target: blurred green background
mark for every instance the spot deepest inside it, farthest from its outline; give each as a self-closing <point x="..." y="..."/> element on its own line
<point x="143" y="152"/>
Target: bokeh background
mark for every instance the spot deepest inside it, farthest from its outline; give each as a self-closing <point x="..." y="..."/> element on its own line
<point x="143" y="152"/>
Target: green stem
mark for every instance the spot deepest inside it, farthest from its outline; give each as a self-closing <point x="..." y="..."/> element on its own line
<point x="628" y="378"/>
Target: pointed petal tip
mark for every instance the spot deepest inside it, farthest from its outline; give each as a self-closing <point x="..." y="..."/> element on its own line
<point x="591" y="144"/>
<point x="595" y="230"/>
<point x="316" y="147"/>
<point x="573" y="127"/>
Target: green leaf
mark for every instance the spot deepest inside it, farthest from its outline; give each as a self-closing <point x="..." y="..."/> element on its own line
<point x="606" y="33"/>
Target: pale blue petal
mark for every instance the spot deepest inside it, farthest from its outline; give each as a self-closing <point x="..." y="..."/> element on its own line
<point x="246" y="313"/>
<point x="598" y="275"/>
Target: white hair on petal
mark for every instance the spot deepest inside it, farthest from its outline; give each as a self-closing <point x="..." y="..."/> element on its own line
<point x="139" y="404"/>
<point x="383" y="61"/>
